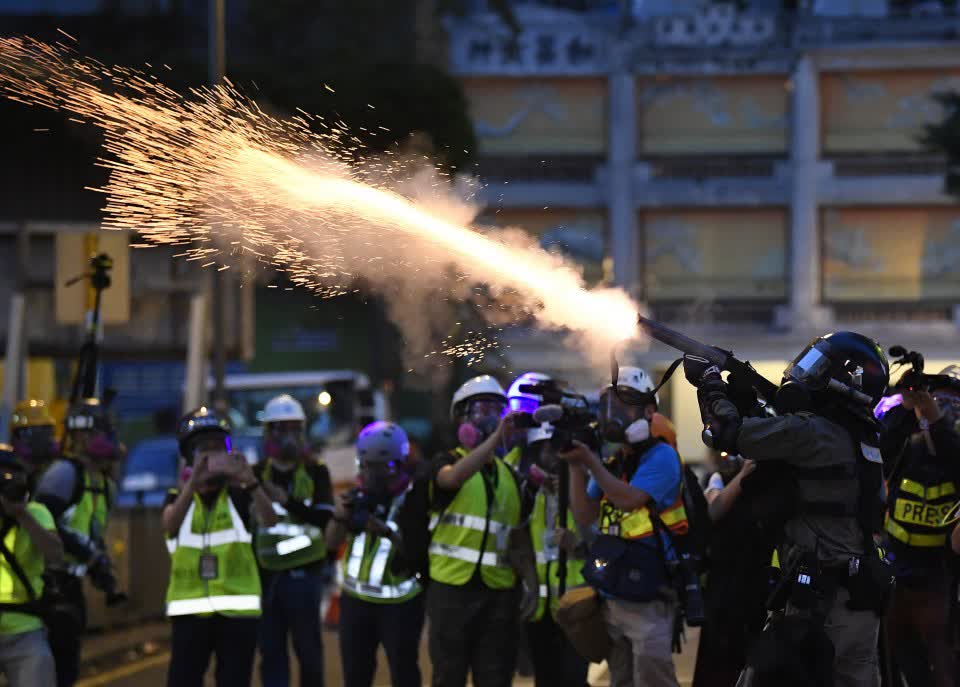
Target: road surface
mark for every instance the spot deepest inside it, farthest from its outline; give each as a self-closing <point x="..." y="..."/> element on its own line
<point x="149" y="669"/>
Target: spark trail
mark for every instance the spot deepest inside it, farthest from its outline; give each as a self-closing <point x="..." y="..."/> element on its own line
<point x="213" y="172"/>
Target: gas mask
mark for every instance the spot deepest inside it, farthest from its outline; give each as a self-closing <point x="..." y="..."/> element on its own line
<point x="284" y="446"/>
<point x="482" y="421"/>
<point x="637" y="431"/>
<point x="102" y="447"/>
<point x="383" y="479"/>
<point x="619" y="422"/>
<point x="36" y="446"/>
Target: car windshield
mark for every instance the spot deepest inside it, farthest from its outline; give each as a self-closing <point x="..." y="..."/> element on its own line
<point x="329" y="409"/>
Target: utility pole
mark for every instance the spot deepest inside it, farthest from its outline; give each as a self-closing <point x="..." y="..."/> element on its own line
<point x="217" y="67"/>
<point x="13" y="372"/>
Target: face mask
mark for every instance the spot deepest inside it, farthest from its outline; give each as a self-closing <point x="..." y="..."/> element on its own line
<point x="792" y="397"/>
<point x="469" y="436"/>
<point x="101" y="447"/>
<point x="37" y="449"/>
<point x="637" y="432"/>
<point x="614" y="431"/>
<point x="487" y="425"/>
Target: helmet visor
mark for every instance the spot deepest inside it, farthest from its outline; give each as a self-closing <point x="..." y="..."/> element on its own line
<point x="811" y="368"/>
<point x="613" y="406"/>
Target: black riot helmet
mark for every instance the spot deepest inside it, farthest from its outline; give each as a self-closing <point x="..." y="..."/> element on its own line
<point x="843" y="365"/>
<point x="200" y="421"/>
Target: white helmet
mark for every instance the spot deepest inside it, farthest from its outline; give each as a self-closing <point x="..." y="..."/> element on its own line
<point x="635" y="378"/>
<point x="283" y="408"/>
<point x="484" y="385"/>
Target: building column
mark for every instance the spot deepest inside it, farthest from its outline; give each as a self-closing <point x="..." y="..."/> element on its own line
<point x="805" y="310"/>
<point x="621" y="160"/>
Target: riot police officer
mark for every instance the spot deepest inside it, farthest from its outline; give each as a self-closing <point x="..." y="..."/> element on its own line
<point x="825" y="445"/>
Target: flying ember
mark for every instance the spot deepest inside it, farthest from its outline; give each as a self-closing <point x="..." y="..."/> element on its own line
<point x="213" y="172"/>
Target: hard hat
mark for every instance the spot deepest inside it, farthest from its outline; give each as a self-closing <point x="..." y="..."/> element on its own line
<point x="483" y="386"/>
<point x="662" y="428"/>
<point x="635" y="378"/>
<point x="196" y="422"/>
<point x="87" y="414"/>
<point x="541" y="433"/>
<point x="382" y="442"/>
<point x="31" y="413"/>
<point x="526" y="402"/>
<point x="283" y="408"/>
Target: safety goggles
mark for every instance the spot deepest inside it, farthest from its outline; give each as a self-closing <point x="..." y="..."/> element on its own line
<point x="211" y="444"/>
<point x="487" y="408"/>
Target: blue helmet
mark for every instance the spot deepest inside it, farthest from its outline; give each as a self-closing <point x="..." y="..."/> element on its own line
<point x="200" y="421"/>
<point x="524" y="401"/>
<point x="382" y="442"/>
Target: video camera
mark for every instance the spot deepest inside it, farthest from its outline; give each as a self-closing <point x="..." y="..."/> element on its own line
<point x="568" y="413"/>
<point x="362" y="507"/>
<point x="13" y="486"/>
<point x="915" y="379"/>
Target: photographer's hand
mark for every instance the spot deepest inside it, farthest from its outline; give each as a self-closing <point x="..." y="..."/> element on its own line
<point x="336" y="530"/>
<point x="451" y="477"/>
<point x="925" y="405"/>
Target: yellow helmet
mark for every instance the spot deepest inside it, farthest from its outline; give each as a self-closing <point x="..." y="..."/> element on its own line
<point x="31" y="413"/>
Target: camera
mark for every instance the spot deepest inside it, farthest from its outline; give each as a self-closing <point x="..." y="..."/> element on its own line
<point x="362" y="506"/>
<point x="569" y="414"/>
<point x="13" y="486"/>
<point x="915" y="379"/>
<point x="103" y="577"/>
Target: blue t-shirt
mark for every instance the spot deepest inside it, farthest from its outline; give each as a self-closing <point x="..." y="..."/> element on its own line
<point x="658" y="474"/>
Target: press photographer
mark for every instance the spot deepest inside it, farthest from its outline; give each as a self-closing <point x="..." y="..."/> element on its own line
<point x="28" y="543"/>
<point x="382" y="603"/>
<point x="920" y="430"/>
<point x="79" y="493"/>
<point x="636" y="498"/>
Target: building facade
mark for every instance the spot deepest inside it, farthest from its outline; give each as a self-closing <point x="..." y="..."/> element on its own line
<point x="754" y="177"/>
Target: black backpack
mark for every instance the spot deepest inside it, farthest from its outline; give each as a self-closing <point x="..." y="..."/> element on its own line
<point x="696" y="542"/>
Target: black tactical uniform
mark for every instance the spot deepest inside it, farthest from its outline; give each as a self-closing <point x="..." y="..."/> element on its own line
<point x="824" y="451"/>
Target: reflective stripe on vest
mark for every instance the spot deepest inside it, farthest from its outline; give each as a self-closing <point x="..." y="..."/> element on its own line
<point x="543" y="520"/>
<point x="87" y="517"/>
<point x="290" y="543"/>
<point x="12" y="589"/>
<point x="194" y="540"/>
<point x="214" y="604"/>
<point x="910" y="539"/>
<point x="916" y="512"/>
<point x="637" y="524"/>
<point x="474" y="530"/>
<point x="369" y="577"/>
<point x="235" y="588"/>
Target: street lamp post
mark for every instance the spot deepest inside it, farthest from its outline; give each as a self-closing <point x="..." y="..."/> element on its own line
<point x="217" y="69"/>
